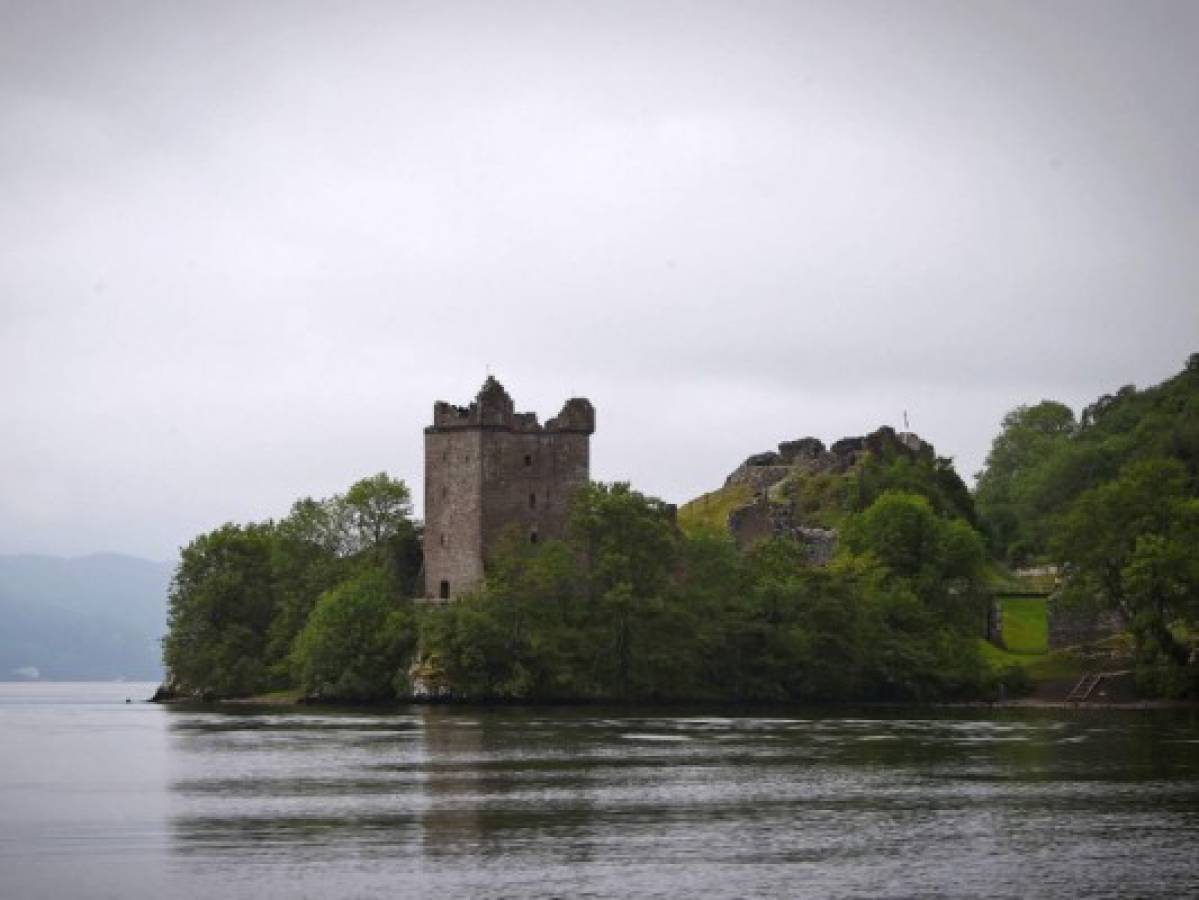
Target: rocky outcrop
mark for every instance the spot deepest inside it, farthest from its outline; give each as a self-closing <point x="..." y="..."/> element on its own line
<point x="802" y="450"/>
<point x="848" y="447"/>
<point x="808" y="455"/>
<point x="764" y="517"/>
<point x="758" y="476"/>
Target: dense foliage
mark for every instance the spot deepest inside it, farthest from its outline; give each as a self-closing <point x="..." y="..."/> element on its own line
<point x="628" y="608"/>
<point x="1113" y="497"/>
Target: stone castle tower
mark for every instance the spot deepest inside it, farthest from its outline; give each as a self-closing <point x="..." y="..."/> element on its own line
<point x="489" y="469"/>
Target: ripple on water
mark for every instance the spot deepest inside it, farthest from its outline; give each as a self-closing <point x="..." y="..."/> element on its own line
<point x="532" y="803"/>
<point x="659" y="738"/>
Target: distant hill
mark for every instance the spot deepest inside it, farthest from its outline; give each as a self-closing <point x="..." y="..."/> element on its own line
<point x="96" y="617"/>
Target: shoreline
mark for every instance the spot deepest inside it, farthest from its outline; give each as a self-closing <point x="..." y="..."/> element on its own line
<point x="1043" y="703"/>
<point x="284" y="700"/>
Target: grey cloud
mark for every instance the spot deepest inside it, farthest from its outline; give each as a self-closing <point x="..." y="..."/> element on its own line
<point x="245" y="246"/>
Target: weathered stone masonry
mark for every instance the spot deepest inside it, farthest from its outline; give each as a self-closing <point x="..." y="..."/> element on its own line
<point x="490" y="470"/>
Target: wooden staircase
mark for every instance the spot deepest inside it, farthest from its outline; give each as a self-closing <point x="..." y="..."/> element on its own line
<point x="1085" y="687"/>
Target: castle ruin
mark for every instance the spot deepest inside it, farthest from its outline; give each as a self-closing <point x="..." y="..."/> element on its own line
<point x="489" y="471"/>
<point x="771" y="513"/>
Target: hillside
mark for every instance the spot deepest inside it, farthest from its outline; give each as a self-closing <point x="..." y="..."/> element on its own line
<point x="95" y="617"/>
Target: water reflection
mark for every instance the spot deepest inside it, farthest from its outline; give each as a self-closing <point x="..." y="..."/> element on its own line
<point x="539" y="802"/>
<point x="451" y="750"/>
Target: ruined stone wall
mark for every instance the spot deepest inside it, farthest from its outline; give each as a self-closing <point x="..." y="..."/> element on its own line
<point x="761" y="520"/>
<point x="751" y="523"/>
<point x="993" y="630"/>
<point x="1073" y="624"/>
<point x="759" y="478"/>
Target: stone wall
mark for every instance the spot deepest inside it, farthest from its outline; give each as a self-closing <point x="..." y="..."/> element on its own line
<point x="453" y="537"/>
<point x="994" y="625"/>
<point x="1071" y="624"/>
<point x="528" y="483"/>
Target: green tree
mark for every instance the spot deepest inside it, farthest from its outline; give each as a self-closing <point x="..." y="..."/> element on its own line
<point x="376" y="509"/>
<point x="940" y="559"/>
<point x="1128" y="544"/>
<point x="1011" y="481"/>
<point x="221" y="602"/>
<point x="904" y="533"/>
<point x="317" y="524"/>
<point x="708" y="604"/>
<point x="804" y="635"/>
<point x="306" y="561"/>
<point x="624" y="536"/>
<point x="1043" y="460"/>
<point x="627" y="542"/>
<point x="357" y="644"/>
<point x="891" y="465"/>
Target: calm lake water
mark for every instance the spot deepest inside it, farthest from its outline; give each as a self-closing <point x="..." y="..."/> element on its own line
<point x="99" y="798"/>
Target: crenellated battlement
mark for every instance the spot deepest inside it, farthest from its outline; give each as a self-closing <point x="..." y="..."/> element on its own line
<point x="577" y="415"/>
<point x="493" y="408"/>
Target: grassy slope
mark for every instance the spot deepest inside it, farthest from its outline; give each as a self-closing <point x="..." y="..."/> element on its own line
<point x="711" y="511"/>
<point x="1060" y="665"/>
<point x="1025" y="626"/>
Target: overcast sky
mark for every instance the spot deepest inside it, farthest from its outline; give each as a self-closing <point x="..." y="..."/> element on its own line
<point x="245" y="246"/>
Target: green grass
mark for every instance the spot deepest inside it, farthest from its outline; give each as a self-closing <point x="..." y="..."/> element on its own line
<point x="711" y="511"/>
<point x="1060" y="665"/>
<point x="1025" y="624"/>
